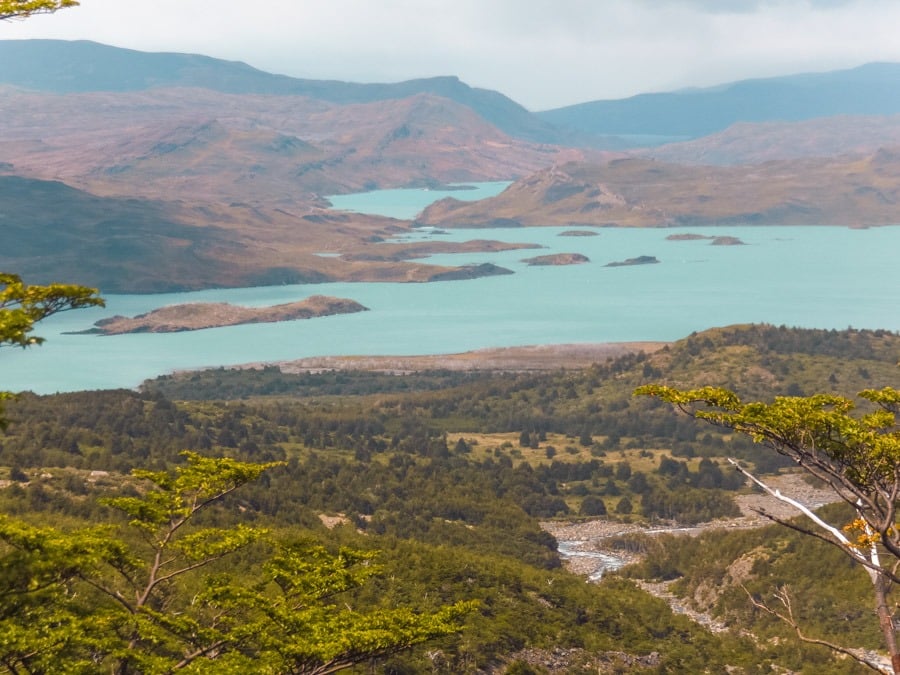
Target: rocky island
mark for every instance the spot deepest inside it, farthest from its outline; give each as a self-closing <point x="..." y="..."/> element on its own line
<point x="715" y="241"/>
<point x="687" y="236"/>
<point x="558" y="259"/>
<point x="578" y="233"/>
<point x="640" y="260"/>
<point x="471" y="272"/>
<point x="199" y="315"/>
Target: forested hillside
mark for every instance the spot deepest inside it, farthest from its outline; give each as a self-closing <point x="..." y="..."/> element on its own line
<point x="449" y="476"/>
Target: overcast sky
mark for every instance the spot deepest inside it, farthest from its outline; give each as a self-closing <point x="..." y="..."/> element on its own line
<point x="542" y="53"/>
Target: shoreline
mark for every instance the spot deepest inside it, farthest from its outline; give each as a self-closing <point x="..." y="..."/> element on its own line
<point x="503" y="359"/>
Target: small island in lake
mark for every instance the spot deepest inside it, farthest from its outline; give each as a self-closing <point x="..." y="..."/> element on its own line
<point x="558" y="259"/>
<point x="640" y="260"/>
<point x="199" y="315"/>
<point x="687" y="236"/>
<point x="578" y="233"/>
<point x="716" y="241"/>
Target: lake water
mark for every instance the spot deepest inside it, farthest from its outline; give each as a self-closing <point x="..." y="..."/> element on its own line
<point x="821" y="277"/>
<point x="406" y="204"/>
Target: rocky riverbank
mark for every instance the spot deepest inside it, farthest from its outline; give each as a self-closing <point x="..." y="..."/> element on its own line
<point x="585" y="544"/>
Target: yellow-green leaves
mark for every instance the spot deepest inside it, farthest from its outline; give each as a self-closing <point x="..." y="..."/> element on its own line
<point x="216" y="542"/>
<point x="11" y="9"/>
<point x="176" y="495"/>
<point x="22" y="306"/>
<point x="861" y="448"/>
<point x="104" y="600"/>
<point x="294" y="621"/>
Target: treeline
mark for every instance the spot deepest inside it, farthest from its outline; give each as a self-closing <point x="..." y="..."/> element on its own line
<point x="851" y="344"/>
<point x="224" y="384"/>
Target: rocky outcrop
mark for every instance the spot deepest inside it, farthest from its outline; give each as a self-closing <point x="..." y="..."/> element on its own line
<point x="640" y="260"/>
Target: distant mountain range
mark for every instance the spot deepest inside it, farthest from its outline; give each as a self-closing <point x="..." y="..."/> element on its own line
<point x="872" y="89"/>
<point x="647" y="119"/>
<point x="81" y="66"/>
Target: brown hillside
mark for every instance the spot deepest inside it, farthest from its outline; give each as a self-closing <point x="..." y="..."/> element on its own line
<point x="754" y="143"/>
<point x="200" y="145"/>
<point x="642" y="192"/>
<point x="129" y="245"/>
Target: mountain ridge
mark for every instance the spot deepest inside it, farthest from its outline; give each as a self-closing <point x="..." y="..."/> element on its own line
<point x="81" y="66"/>
<point x="869" y="89"/>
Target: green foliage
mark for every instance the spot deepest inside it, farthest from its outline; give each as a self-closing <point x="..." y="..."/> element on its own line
<point x="10" y="9"/>
<point x="156" y="600"/>
<point x="592" y="506"/>
<point x="21" y="305"/>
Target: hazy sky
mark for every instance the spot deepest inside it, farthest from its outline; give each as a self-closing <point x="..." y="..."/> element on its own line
<point x="542" y="53"/>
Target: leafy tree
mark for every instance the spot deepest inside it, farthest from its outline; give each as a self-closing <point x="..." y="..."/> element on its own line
<point x="624" y="506"/>
<point x="592" y="505"/>
<point x="22" y="306"/>
<point x="12" y="9"/>
<point x="856" y="454"/>
<point x="156" y="599"/>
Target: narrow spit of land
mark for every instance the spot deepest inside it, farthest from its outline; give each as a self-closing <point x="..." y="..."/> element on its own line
<point x="516" y="359"/>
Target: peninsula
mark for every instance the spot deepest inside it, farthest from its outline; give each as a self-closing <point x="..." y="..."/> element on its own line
<point x="199" y="315"/>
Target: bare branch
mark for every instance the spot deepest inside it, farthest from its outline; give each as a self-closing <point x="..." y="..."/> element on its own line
<point x="784" y="598"/>
<point x="840" y="540"/>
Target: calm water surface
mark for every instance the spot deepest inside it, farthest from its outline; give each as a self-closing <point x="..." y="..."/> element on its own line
<point x="822" y="277"/>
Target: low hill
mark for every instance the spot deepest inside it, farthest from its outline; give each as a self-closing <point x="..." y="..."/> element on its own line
<point x="81" y="66"/>
<point x="640" y="193"/>
<point x="128" y="245"/>
<point x="871" y="89"/>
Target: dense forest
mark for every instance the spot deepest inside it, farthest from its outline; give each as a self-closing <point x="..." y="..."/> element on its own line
<point x="448" y="476"/>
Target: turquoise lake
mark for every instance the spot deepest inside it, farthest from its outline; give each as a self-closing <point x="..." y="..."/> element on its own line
<point x="812" y="276"/>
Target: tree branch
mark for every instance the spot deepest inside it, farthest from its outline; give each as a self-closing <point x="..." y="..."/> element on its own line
<point x="840" y="540"/>
<point x="785" y="599"/>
